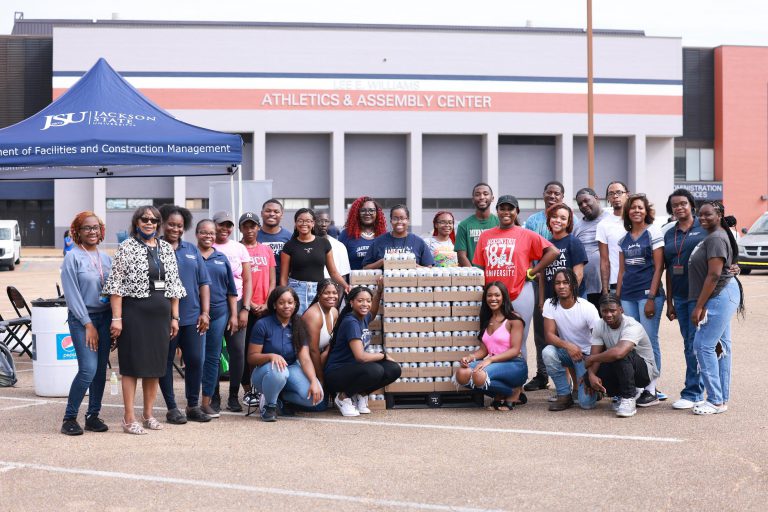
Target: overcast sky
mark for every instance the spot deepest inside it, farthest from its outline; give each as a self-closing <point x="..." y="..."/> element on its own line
<point x="698" y="22"/>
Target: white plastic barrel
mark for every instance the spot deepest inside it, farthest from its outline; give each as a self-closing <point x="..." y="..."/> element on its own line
<point x="55" y="362"/>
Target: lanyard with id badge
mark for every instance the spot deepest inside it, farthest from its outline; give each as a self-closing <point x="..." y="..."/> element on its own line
<point x="678" y="269"/>
<point x="158" y="284"/>
<point x="97" y="266"/>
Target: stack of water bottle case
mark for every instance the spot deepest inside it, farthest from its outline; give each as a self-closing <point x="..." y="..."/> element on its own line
<point x="430" y="321"/>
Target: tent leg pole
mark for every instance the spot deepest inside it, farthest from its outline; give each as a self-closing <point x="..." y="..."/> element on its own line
<point x="232" y="200"/>
<point x="239" y="191"/>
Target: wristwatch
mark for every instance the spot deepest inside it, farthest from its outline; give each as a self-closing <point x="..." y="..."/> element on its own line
<point x="247" y="308"/>
<point x="175" y="318"/>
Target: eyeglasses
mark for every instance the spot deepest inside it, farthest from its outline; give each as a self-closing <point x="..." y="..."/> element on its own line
<point x="367" y="210"/>
<point x="147" y="220"/>
<point x="90" y="229"/>
<point x="305" y="221"/>
<point x="444" y="223"/>
<point x="616" y="193"/>
<point x="399" y="219"/>
<point x="206" y="233"/>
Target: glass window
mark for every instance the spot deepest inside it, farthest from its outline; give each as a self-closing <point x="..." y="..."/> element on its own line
<point x="135" y="203"/>
<point x="692" y="167"/>
<point x="680" y="164"/>
<point x="527" y="204"/>
<point x="116" y="204"/>
<point x="197" y="204"/>
<point x="707" y="162"/>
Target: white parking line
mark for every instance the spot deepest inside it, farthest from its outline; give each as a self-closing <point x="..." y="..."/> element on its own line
<point x="246" y="488"/>
<point x="428" y="426"/>
<point x="33" y="404"/>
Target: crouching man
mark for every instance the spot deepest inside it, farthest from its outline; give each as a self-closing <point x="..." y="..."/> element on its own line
<point x="568" y="324"/>
<point x="621" y="362"/>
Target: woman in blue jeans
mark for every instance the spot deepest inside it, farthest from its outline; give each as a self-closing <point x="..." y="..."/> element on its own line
<point x="83" y="274"/>
<point x="641" y="262"/>
<point x="279" y="352"/>
<point x="718" y="295"/>
<point x="497" y="367"/>
<point x="223" y="310"/>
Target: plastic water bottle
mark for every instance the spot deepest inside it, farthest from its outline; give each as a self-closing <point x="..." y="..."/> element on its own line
<point x="113" y="384"/>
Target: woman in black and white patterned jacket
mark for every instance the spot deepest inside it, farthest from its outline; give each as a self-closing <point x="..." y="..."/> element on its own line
<point x="144" y="289"/>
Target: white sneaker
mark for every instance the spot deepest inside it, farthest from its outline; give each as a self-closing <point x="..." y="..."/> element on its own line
<point x="627" y="408"/>
<point x="346" y="407"/>
<point x="361" y="404"/>
<point x="708" y="408"/>
<point x="684" y="403"/>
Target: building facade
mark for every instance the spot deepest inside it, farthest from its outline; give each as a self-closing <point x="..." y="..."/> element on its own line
<point x="402" y="113"/>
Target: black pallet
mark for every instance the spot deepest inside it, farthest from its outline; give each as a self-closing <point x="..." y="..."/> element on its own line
<point x="434" y="400"/>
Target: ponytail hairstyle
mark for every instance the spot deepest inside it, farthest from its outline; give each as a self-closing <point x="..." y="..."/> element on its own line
<point x="506" y="307"/>
<point x="346" y="311"/>
<point x="725" y="224"/>
<point x="298" y="329"/>
<point x="434" y="224"/>
<point x="302" y="211"/>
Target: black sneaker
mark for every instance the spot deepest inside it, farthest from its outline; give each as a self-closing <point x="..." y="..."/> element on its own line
<point x="285" y="409"/>
<point x="647" y="399"/>
<point x="216" y="402"/>
<point x="197" y="414"/>
<point x="94" y="424"/>
<point x="71" y="427"/>
<point x="233" y="404"/>
<point x="537" y="383"/>
<point x="269" y="413"/>
<point x="175" y="417"/>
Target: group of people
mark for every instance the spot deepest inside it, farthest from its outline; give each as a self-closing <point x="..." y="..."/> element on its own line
<point x="591" y="287"/>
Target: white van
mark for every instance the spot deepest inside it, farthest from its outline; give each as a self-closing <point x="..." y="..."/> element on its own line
<point x="10" y="244"/>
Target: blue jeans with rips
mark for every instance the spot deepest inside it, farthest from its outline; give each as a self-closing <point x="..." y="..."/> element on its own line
<point x="716" y="369"/>
<point x="636" y="309"/>
<point x="291" y="384"/>
<point x="557" y="360"/>
<point x="91" y="365"/>
<point x="502" y="378"/>
<point x="693" y="389"/>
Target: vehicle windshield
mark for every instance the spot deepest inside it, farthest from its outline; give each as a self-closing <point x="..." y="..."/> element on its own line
<point x="760" y="227"/>
<point x="5" y="233"/>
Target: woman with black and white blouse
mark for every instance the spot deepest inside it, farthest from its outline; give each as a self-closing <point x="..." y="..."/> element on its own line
<point x="144" y="288"/>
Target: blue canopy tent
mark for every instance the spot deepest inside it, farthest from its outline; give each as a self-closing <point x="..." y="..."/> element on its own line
<point x="103" y="127"/>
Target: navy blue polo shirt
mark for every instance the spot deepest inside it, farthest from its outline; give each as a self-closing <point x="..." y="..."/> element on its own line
<point x="351" y="328"/>
<point x="678" y="246"/>
<point x="275" y="338"/>
<point x="193" y="275"/>
<point x="222" y="283"/>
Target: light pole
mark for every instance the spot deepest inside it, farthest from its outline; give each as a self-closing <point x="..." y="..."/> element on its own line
<point x="590" y="104"/>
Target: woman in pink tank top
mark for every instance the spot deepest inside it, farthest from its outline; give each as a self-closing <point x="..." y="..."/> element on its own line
<point x="497" y="368"/>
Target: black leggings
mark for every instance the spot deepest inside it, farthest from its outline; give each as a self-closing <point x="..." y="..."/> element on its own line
<point x="362" y="378"/>
<point x="623" y="376"/>
<point x="236" y="351"/>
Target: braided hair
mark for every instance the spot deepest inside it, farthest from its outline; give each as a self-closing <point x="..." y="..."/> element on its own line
<point x="724" y="223"/>
<point x="352" y="226"/>
<point x="573" y="284"/>
<point x="347" y="311"/>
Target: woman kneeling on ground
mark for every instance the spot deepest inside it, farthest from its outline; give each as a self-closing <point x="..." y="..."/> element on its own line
<point x="351" y="372"/>
<point x="279" y="351"/>
<point x="497" y="367"/>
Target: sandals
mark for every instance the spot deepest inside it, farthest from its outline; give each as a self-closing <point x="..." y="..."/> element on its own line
<point x="708" y="408"/>
<point x="133" y="428"/>
<point x="151" y="423"/>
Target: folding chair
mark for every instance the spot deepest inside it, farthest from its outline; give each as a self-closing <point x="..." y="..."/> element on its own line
<point x="11" y="330"/>
<point x="24" y="324"/>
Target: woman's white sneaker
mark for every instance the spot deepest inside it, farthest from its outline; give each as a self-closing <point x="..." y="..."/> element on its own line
<point x="708" y="408"/>
<point x="346" y="407"/>
<point x="361" y="403"/>
<point x="684" y="403"/>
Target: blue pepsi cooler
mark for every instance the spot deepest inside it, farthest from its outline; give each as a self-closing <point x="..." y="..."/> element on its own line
<point x="54" y="361"/>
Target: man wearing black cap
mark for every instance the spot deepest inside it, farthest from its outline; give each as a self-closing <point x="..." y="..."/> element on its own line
<point x="506" y="254"/>
<point x="263" y="280"/>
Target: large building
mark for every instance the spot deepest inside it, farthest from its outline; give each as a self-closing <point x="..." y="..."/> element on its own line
<point x="414" y="114"/>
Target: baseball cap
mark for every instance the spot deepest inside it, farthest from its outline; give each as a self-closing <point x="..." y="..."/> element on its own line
<point x="249" y="216"/>
<point x="507" y="199"/>
<point x="222" y="217"/>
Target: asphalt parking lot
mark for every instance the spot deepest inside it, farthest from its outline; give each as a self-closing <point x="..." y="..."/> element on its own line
<point x="438" y="459"/>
